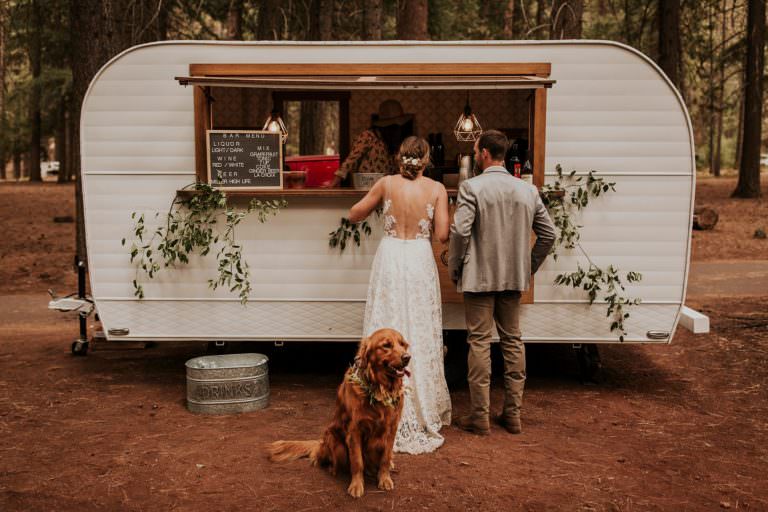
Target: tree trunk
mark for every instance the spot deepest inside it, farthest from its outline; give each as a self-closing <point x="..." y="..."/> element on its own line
<point x="508" y="31"/>
<point x="720" y="95"/>
<point x="541" y="19"/>
<point x="717" y="158"/>
<point x="69" y="135"/>
<point x="268" y="26"/>
<point x="567" y="19"/>
<point x="3" y="133"/>
<point x="749" y="171"/>
<point x="17" y="165"/>
<point x="372" y="13"/>
<point x="61" y="141"/>
<point x="412" y="17"/>
<point x="628" y="22"/>
<point x="321" y="20"/>
<point x="110" y="30"/>
<point x="162" y="20"/>
<point x="235" y="20"/>
<point x="670" y="48"/>
<point x="35" y="27"/>
<point x="325" y="20"/>
<point x="711" y="120"/>
<point x="740" y="124"/>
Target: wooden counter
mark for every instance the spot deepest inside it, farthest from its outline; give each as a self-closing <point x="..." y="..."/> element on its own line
<point x="308" y="192"/>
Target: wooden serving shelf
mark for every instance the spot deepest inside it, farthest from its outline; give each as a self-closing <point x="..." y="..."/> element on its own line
<point x="312" y="192"/>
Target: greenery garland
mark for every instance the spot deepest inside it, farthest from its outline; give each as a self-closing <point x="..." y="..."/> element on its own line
<point x="595" y="280"/>
<point x="353" y="230"/>
<point x="385" y="398"/>
<point x="191" y="227"/>
<point x="347" y="230"/>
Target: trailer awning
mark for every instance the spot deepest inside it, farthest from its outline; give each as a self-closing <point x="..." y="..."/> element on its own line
<point x="372" y="82"/>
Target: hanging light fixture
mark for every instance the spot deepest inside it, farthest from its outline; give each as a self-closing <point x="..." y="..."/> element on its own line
<point x="467" y="128"/>
<point x="274" y="123"/>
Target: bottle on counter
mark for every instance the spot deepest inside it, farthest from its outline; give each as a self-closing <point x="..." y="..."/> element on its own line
<point x="516" y="169"/>
<point x="527" y="172"/>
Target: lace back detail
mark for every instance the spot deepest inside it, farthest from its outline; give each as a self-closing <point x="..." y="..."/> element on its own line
<point x="425" y="225"/>
<point x="394" y="229"/>
<point x="389" y="220"/>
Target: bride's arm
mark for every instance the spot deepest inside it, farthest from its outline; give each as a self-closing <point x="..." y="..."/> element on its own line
<point x="366" y="205"/>
<point x="442" y="220"/>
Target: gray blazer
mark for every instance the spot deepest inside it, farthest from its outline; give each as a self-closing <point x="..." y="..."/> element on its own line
<point x="490" y="244"/>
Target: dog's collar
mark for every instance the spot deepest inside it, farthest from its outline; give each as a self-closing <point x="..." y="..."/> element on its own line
<point x="383" y="397"/>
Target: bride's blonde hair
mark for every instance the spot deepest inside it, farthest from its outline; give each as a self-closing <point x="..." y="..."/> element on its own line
<point x="412" y="157"/>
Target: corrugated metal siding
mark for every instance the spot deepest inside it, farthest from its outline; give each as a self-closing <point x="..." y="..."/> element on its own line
<point x="610" y="111"/>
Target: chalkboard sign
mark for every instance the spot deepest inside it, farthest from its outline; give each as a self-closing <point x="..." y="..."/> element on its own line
<point x="245" y="159"/>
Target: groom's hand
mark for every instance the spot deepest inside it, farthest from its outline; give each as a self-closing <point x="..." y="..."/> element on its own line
<point x="454" y="273"/>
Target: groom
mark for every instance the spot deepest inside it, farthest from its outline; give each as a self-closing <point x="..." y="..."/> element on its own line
<point x="491" y="261"/>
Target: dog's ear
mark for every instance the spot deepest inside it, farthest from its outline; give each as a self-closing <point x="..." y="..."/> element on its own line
<point x="362" y="353"/>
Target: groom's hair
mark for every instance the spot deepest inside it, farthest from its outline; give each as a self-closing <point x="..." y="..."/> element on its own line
<point x="495" y="142"/>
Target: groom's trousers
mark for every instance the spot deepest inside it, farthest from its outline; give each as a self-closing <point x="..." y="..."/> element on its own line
<point x="482" y="310"/>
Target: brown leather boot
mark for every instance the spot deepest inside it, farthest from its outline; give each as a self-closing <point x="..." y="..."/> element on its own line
<point x="510" y="423"/>
<point x="473" y="425"/>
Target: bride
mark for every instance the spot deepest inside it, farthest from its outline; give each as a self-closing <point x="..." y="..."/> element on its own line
<point x="404" y="291"/>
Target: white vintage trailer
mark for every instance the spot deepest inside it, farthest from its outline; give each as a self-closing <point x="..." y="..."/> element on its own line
<point x="610" y="109"/>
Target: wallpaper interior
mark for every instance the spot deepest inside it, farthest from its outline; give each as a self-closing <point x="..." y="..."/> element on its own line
<point x="434" y="111"/>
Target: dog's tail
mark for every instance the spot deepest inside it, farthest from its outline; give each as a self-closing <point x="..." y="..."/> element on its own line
<point x="280" y="451"/>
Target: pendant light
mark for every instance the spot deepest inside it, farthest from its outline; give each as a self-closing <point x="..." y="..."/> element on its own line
<point x="467" y="128"/>
<point x="274" y="123"/>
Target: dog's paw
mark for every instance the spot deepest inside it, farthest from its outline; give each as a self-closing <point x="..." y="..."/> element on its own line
<point x="356" y="489"/>
<point x="386" y="483"/>
<point x="392" y="466"/>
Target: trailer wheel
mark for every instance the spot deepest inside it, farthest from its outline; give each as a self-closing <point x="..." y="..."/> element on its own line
<point x="79" y="348"/>
<point x="589" y="361"/>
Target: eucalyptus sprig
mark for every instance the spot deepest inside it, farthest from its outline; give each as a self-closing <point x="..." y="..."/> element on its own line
<point x="577" y="195"/>
<point x="594" y="280"/>
<point x="192" y="226"/>
<point x="347" y="230"/>
<point x="353" y="230"/>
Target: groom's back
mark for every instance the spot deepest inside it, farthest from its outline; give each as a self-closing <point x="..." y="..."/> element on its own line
<point x="499" y="253"/>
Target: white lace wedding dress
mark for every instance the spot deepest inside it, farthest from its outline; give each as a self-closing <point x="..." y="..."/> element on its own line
<point x="404" y="294"/>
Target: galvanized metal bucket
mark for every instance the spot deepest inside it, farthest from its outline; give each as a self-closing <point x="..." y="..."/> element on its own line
<point x="227" y="384"/>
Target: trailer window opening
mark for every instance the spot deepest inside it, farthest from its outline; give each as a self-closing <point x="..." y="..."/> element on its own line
<point x="325" y="107"/>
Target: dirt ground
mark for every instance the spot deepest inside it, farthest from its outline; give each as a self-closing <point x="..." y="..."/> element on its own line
<point x="673" y="427"/>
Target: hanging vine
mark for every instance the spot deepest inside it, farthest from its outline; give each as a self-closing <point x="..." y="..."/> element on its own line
<point x="354" y="230"/>
<point x="595" y="280"/>
<point x="192" y="225"/>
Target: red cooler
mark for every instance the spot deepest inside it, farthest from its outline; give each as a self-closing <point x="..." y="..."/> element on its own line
<point x="319" y="168"/>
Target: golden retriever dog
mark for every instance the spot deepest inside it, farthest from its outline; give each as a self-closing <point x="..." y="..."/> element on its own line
<point x="369" y="403"/>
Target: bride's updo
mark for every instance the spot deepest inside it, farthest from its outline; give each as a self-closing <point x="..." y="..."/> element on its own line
<point x="413" y="157"/>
